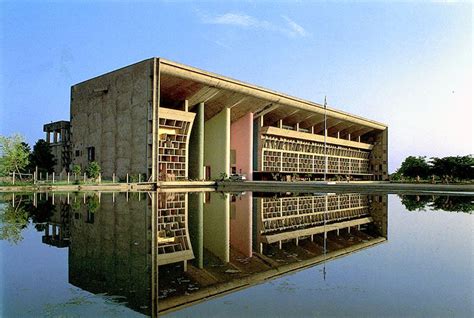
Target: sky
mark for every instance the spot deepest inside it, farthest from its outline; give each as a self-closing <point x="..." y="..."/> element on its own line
<point x="406" y="64"/>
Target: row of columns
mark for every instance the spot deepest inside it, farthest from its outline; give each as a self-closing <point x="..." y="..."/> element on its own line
<point x="58" y="135"/>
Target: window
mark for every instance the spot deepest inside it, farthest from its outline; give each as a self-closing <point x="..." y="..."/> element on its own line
<point x="91" y="154"/>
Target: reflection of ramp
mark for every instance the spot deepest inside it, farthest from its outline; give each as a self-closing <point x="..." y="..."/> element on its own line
<point x="173" y="242"/>
<point x="179" y="302"/>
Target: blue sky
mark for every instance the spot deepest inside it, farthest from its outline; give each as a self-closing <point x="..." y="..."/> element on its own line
<point x="408" y="65"/>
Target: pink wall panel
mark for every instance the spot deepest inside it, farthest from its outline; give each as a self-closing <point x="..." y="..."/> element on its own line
<point x="241" y="140"/>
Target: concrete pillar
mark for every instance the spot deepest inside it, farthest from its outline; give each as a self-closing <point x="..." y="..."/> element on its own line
<point x="55" y="136"/>
<point x="217" y="144"/>
<point x="48" y="137"/>
<point x="196" y="145"/>
<point x="338" y="134"/>
<point x="348" y="136"/>
<point x="297" y="127"/>
<point x="312" y="129"/>
<point x="358" y="138"/>
<point x="255" y="142"/>
<point x="280" y="123"/>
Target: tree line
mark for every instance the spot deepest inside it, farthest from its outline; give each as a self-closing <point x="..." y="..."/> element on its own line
<point x="446" y="169"/>
<point x="17" y="156"/>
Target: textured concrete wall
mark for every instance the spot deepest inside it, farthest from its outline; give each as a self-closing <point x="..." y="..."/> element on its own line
<point x="57" y="151"/>
<point x="241" y="140"/>
<point x="241" y="225"/>
<point x="216" y="225"/>
<point x="217" y="143"/>
<point x="196" y="145"/>
<point x="110" y="255"/>
<point x="378" y="162"/>
<point x="110" y="113"/>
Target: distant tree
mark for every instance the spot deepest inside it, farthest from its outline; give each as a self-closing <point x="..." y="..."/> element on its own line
<point x="414" y="167"/>
<point x="42" y="157"/>
<point x="14" y="153"/>
<point x="93" y="170"/>
<point x="460" y="167"/>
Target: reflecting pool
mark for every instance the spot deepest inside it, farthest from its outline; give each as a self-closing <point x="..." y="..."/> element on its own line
<point x="242" y="254"/>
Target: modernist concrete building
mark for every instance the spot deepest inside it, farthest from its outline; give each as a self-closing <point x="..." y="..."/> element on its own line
<point x="60" y="143"/>
<point x="168" y="121"/>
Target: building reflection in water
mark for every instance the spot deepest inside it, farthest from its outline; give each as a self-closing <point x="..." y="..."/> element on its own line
<point x="161" y="251"/>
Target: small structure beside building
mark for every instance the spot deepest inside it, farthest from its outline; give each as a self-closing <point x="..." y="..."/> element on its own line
<point x="58" y="135"/>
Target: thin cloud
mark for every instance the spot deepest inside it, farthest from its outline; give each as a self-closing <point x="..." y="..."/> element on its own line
<point x="292" y="29"/>
<point x="295" y="27"/>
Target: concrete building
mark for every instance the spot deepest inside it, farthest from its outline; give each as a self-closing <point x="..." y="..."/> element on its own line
<point x="58" y="137"/>
<point x="168" y="121"/>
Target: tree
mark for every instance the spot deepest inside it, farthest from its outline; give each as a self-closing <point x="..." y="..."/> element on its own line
<point x="14" y="153"/>
<point x="460" y="167"/>
<point x="93" y="170"/>
<point x="414" y="167"/>
<point x="42" y="157"/>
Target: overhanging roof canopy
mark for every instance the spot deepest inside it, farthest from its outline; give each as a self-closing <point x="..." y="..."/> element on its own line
<point x="179" y="82"/>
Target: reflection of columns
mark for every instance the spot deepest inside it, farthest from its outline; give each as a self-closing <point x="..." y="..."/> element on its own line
<point x="216" y="226"/>
<point x="196" y="218"/>
<point x="154" y="255"/>
<point x="241" y="225"/>
<point x="196" y="145"/>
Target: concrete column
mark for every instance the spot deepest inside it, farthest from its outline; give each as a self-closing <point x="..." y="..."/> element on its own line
<point x="217" y="144"/>
<point x="338" y="134"/>
<point x="280" y="123"/>
<point x="348" y="136"/>
<point x="312" y="129"/>
<point x="358" y="138"/>
<point x="256" y="142"/>
<point x="196" y="145"/>
<point x="297" y="127"/>
<point x="48" y="137"/>
<point x="55" y="136"/>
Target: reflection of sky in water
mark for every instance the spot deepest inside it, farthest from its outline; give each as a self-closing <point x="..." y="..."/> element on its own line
<point x="424" y="269"/>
